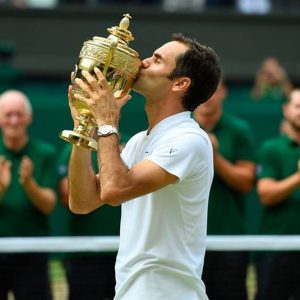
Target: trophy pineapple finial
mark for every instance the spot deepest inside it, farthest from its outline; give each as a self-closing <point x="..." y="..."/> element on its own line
<point x="124" y="24"/>
<point x="122" y="31"/>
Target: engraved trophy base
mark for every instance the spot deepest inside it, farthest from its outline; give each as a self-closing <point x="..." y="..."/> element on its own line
<point x="79" y="139"/>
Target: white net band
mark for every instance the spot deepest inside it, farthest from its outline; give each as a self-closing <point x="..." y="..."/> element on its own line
<point x="111" y="243"/>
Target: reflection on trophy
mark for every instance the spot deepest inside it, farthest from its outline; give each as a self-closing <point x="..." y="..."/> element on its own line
<point x="120" y="66"/>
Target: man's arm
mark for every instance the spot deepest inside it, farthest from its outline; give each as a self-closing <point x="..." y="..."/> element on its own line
<point x="63" y="189"/>
<point x="239" y="175"/>
<point x="272" y="191"/>
<point x="43" y="198"/>
<point x="120" y="184"/>
<point x="115" y="183"/>
<point x="84" y="189"/>
<point x="5" y="175"/>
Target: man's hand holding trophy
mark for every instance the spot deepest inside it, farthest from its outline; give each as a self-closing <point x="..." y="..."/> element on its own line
<point x="105" y="64"/>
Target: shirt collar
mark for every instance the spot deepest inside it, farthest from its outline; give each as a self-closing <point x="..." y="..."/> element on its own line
<point x="21" y="152"/>
<point x="171" y="121"/>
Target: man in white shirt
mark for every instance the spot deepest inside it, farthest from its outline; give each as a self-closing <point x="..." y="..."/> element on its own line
<point x="163" y="176"/>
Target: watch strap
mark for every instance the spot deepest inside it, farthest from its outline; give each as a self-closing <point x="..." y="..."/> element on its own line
<point x="107" y="130"/>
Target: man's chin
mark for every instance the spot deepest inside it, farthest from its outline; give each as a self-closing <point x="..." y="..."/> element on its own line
<point x="136" y="87"/>
<point x="137" y="91"/>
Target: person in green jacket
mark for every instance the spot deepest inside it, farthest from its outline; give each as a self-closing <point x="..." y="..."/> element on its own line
<point x="224" y="273"/>
<point x="271" y="82"/>
<point x="278" y="187"/>
<point x="27" y="197"/>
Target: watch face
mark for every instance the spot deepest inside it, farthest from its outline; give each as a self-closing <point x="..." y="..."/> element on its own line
<point x="105" y="129"/>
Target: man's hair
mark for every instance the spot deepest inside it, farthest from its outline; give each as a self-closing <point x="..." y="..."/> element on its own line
<point x="201" y="64"/>
<point x="290" y="95"/>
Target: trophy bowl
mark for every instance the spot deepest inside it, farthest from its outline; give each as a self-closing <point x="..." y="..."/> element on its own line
<point x="119" y="64"/>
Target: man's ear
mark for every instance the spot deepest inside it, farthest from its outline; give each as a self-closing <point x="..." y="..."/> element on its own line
<point x="285" y="110"/>
<point x="181" y="84"/>
<point x="29" y="119"/>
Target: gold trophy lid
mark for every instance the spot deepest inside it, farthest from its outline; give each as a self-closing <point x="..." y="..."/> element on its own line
<point x="122" y="31"/>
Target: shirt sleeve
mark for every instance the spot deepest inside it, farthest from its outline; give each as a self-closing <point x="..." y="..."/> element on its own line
<point x="267" y="166"/>
<point x="63" y="161"/>
<point x="183" y="156"/>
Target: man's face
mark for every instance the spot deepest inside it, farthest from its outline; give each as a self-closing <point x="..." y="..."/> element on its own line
<point x="272" y="72"/>
<point x="14" y="117"/>
<point x="153" y="77"/>
<point x="292" y="110"/>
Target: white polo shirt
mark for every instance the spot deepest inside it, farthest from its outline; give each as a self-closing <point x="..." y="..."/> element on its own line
<point x="163" y="234"/>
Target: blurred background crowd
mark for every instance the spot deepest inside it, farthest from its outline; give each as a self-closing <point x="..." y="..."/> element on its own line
<point x="244" y="6"/>
<point x="253" y="121"/>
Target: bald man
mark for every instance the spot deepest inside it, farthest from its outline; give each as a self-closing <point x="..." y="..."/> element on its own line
<point x="27" y="197"/>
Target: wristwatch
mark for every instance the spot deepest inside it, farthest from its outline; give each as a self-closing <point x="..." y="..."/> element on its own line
<point x="106" y="130"/>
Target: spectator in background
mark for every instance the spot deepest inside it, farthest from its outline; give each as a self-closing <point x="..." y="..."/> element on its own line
<point x="90" y="276"/>
<point x="113" y="2"/>
<point x="27" y="197"/>
<point x="255" y="7"/>
<point x="188" y="5"/>
<point x="30" y="3"/>
<point x="278" y="186"/>
<point x="271" y="82"/>
<point x="224" y="273"/>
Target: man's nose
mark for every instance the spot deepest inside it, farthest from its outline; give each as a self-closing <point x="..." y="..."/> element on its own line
<point x="14" y="119"/>
<point x="146" y="63"/>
